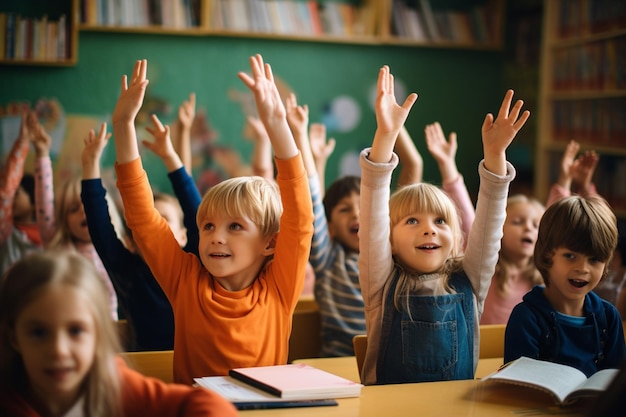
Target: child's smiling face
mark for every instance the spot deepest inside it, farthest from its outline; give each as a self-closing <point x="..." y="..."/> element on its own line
<point x="571" y="276"/>
<point x="344" y="222"/>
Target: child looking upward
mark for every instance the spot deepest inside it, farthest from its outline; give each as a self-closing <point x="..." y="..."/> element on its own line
<point x="423" y="298"/>
<point x="566" y="322"/>
<point x="58" y="350"/>
<point x="233" y="305"/>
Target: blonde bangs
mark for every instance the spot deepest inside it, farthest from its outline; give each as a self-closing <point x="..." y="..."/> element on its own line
<point x="252" y="197"/>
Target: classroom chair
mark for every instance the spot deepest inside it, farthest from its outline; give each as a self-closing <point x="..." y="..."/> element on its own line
<point x="359" y="343"/>
<point x="492" y="340"/>
<point x="125" y="333"/>
<point x="305" y="340"/>
<point x="157" y="364"/>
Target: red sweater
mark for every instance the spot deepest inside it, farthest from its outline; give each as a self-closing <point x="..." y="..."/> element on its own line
<point x="141" y="396"/>
<point x="216" y="329"/>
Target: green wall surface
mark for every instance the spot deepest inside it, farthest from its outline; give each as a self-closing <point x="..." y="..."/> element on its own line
<point x="456" y="87"/>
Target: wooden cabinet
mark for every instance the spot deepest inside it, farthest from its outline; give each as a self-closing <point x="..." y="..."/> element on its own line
<point x="39" y="33"/>
<point x="583" y="92"/>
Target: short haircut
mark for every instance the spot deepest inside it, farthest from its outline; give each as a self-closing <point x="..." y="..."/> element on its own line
<point x="340" y="188"/>
<point x="584" y="225"/>
<point x="249" y="196"/>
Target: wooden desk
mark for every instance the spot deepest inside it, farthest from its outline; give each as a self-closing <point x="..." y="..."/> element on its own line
<point x="447" y="398"/>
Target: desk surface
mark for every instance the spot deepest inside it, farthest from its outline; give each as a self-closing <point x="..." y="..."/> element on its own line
<point x="447" y="398"/>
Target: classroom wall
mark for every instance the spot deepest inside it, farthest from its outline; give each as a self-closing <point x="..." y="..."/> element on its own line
<point x="456" y="87"/>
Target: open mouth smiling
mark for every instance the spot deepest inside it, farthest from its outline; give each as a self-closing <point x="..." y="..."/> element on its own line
<point x="578" y="283"/>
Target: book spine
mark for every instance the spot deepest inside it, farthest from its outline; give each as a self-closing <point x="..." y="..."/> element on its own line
<point x="253" y="382"/>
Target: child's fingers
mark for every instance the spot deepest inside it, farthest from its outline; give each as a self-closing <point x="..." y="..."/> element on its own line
<point x="515" y="111"/>
<point x="268" y="72"/>
<point x="156" y="122"/>
<point x="506" y="104"/>
<point x="488" y="122"/>
<point x="410" y="100"/>
<point x="124" y="82"/>
<point x="247" y="80"/>
<point x="522" y="120"/>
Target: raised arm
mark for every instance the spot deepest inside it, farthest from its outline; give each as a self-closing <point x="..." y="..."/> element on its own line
<point x="262" y="164"/>
<point x="270" y="107"/>
<point x="182" y="139"/>
<point x="498" y="135"/>
<point x="44" y="184"/>
<point x="94" y="146"/>
<point x="298" y="120"/>
<point x="128" y="104"/>
<point x="444" y="153"/>
<point x="11" y="176"/>
<point x="411" y="162"/>
<point x="162" y="145"/>
<point x="390" y="117"/>
<point x="582" y="173"/>
<point x="321" y="149"/>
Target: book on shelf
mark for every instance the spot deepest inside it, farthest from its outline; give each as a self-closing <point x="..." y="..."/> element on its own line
<point x="280" y="384"/>
<point x="564" y="383"/>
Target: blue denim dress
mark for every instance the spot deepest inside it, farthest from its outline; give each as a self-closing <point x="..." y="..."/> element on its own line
<point x="435" y="342"/>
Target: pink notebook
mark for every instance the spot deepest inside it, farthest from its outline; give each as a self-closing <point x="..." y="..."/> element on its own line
<point x="297" y="381"/>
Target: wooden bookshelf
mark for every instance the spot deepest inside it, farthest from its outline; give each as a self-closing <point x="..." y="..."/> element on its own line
<point x="583" y="92"/>
<point x="342" y="21"/>
<point x="36" y="35"/>
<point x="332" y="21"/>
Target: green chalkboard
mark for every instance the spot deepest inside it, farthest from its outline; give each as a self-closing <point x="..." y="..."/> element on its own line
<point x="456" y="87"/>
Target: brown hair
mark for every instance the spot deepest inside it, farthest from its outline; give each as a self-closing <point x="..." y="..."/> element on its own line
<point x="584" y="225"/>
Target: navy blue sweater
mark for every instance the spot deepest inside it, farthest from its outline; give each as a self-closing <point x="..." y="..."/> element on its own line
<point x="142" y="301"/>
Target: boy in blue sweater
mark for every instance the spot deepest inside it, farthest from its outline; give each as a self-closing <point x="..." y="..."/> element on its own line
<point x="566" y="322"/>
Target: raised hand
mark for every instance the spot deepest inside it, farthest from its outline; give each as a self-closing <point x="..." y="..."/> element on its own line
<point x="261" y="83"/>
<point x="583" y="170"/>
<point x="92" y="152"/>
<point x="297" y="116"/>
<point x="444" y="151"/>
<point x="497" y="135"/>
<point x="320" y="146"/>
<point x="567" y="162"/>
<point x="187" y="111"/>
<point x="162" y="145"/>
<point x="390" y="116"/>
<point x="270" y="107"/>
<point x="132" y="94"/>
<point x="40" y="139"/>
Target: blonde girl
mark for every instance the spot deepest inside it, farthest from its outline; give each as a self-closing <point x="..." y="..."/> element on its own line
<point x="423" y="296"/>
<point x="58" y="350"/>
<point x="516" y="273"/>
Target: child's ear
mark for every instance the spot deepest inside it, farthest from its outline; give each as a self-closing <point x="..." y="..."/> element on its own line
<point x="271" y="245"/>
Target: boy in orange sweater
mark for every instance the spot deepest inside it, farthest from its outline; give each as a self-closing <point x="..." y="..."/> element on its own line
<point x="233" y="306"/>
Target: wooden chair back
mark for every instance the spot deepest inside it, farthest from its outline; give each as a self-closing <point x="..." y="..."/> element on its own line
<point x="305" y="341"/>
<point x="492" y="340"/>
<point x="359" y="343"/>
<point x="158" y="364"/>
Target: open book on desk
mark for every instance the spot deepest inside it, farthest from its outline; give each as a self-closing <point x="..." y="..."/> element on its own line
<point x="565" y="383"/>
<point x="292" y="385"/>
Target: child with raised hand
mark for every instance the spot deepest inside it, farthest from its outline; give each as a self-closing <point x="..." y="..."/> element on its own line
<point x="233" y="306"/>
<point x="516" y="273"/>
<point x="322" y="147"/>
<point x="60" y="214"/>
<point x="565" y="322"/>
<point x="576" y="174"/>
<point x="58" y="350"/>
<point x="142" y="300"/>
<point x="335" y="247"/>
<point x="423" y="298"/>
<point x="19" y="234"/>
